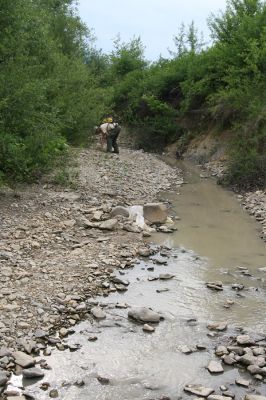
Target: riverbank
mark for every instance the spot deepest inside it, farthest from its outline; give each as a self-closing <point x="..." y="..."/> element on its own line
<point x="76" y="269"/>
<point x="58" y="247"/>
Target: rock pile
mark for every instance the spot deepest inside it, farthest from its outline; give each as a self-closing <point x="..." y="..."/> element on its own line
<point x="255" y="204"/>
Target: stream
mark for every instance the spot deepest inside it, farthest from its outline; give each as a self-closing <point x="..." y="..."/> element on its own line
<point x="214" y="238"/>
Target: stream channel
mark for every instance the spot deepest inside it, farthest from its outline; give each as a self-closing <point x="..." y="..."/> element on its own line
<point x="214" y="237"/>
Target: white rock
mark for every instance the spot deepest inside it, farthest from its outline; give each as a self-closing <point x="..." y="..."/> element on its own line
<point x="148" y="328"/>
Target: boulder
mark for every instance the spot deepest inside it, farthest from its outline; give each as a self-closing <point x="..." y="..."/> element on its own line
<point x="143" y="314"/>
<point x="155" y="213"/>
<point x="119" y="210"/>
<point x="254" y="397"/>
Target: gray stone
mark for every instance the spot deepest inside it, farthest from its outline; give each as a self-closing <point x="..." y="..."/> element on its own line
<point x="144" y="252"/>
<point x="98" y="313"/>
<point x="242" y="382"/>
<point x="119" y="210"/>
<point x="53" y="393"/>
<point x="245" y="340"/>
<point x="4" y="351"/>
<point x="143" y="314"/>
<point x="228" y="360"/>
<point x="23" y="359"/>
<point x="254" y="369"/>
<point x="155" y="213"/>
<point x="166" y="276"/>
<point x="236" y="349"/>
<point x="248" y="359"/>
<point x="221" y="350"/>
<point x="215" y="367"/>
<point x="109" y="224"/>
<point x="120" y="281"/>
<point x="16" y="398"/>
<point x="218" y="397"/>
<point x="254" y="397"/>
<point x="3" y="378"/>
<point x="215" y="285"/>
<point x="218" y="326"/>
<point x="185" y="349"/>
<point x="32" y="373"/>
<point x="258" y="351"/>
<point x="63" y="332"/>
<point x="228" y="393"/>
<point x="201" y="391"/>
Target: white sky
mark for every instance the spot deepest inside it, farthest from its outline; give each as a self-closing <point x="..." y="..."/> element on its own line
<point x="155" y="21"/>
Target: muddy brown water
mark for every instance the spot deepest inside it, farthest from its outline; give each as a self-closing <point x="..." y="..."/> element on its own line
<point x="214" y="237"/>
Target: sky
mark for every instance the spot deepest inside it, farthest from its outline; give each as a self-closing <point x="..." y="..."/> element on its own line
<point x="155" y="21"/>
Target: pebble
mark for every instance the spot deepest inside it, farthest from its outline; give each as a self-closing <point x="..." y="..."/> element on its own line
<point x="185" y="349"/>
<point x="63" y="332"/>
<point x="53" y="393"/>
<point x="166" y="276"/>
<point x="218" y="326"/>
<point x="98" y="313"/>
<point x="148" y="328"/>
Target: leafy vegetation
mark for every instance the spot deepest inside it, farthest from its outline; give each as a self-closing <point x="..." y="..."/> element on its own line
<point x="222" y="86"/>
<point x="55" y="86"/>
<point x="48" y="94"/>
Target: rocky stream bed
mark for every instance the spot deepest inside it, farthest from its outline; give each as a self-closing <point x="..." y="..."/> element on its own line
<point x="62" y="251"/>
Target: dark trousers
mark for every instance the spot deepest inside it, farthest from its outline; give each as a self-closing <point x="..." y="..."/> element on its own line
<point x="112" y="142"/>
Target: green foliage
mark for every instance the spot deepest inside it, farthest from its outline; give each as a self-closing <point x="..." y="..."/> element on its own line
<point x="55" y="85"/>
<point x="222" y="86"/>
<point x="48" y="93"/>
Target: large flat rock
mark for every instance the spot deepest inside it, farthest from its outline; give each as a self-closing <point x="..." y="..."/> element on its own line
<point x="201" y="391"/>
<point x="23" y="359"/>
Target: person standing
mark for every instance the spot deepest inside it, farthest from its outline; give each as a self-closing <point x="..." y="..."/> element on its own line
<point x="110" y="132"/>
<point x="113" y="131"/>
